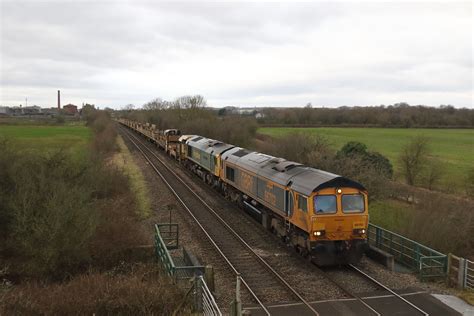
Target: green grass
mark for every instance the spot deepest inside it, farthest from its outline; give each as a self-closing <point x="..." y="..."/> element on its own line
<point x="48" y="138"/>
<point x="454" y="148"/>
<point x="124" y="160"/>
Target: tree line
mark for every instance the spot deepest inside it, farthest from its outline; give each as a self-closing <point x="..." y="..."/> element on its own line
<point x="190" y="115"/>
<point x="397" y="115"/>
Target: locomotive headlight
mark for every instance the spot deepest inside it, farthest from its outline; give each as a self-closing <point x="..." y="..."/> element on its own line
<point x="339" y="191"/>
<point x="360" y="231"/>
<point x="319" y="233"/>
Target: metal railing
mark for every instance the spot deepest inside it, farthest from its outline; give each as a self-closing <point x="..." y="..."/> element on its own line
<point x="169" y="232"/>
<point x="469" y="275"/>
<point x="205" y="301"/>
<point x="166" y="239"/>
<point x="427" y="262"/>
<point x="162" y="253"/>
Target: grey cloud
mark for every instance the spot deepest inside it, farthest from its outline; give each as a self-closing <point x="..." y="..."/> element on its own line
<point x="91" y="47"/>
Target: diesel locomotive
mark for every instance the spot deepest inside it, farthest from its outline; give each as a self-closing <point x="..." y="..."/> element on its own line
<point x="323" y="215"/>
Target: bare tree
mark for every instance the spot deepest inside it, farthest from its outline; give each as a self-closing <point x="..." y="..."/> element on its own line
<point x="155" y="104"/>
<point x="190" y="102"/>
<point x="413" y="158"/>
<point x="129" y="107"/>
<point x="434" y="172"/>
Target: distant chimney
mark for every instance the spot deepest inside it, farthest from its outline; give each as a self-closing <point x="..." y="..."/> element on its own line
<point x="59" y="100"/>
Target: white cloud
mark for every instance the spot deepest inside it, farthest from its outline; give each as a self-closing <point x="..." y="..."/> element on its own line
<point x="237" y="53"/>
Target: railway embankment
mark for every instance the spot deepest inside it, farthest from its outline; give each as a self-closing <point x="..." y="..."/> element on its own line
<point x="68" y="228"/>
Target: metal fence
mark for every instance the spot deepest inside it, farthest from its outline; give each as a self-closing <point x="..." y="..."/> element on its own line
<point x="183" y="265"/>
<point x="162" y="253"/>
<point x="469" y="275"/>
<point x="179" y="266"/>
<point x="460" y="272"/>
<point x="205" y="301"/>
<point x="427" y="262"/>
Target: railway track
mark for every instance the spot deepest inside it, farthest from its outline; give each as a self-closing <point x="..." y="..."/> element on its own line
<point x="416" y="310"/>
<point x="265" y="284"/>
<point x="352" y="275"/>
<point x="256" y="283"/>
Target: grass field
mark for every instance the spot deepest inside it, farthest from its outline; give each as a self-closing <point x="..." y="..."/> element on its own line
<point x="453" y="147"/>
<point x="48" y="138"/>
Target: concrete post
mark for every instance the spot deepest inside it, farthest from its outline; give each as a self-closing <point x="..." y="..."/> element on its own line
<point x="448" y="269"/>
<point x="236" y="307"/>
<point x="198" y="294"/>
<point x="209" y="276"/>
<point x="461" y="273"/>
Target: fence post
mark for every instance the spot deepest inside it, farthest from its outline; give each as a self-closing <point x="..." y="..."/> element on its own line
<point x="461" y="273"/>
<point x="198" y="294"/>
<point x="378" y="233"/>
<point x="448" y="268"/>
<point x="236" y="307"/>
<point x="209" y="275"/>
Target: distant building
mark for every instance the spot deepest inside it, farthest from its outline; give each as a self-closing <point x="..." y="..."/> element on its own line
<point x="4" y="110"/>
<point x="31" y="110"/>
<point x="50" y="111"/>
<point x="70" y="109"/>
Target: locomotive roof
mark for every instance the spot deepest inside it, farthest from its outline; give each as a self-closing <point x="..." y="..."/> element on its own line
<point x="185" y="137"/>
<point x="311" y="180"/>
<point x="210" y="146"/>
<point x="298" y="177"/>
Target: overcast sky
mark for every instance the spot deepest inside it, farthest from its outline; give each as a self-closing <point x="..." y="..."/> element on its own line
<point x="243" y="54"/>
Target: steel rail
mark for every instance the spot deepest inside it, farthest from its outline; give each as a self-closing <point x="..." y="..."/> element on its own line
<point x="279" y="277"/>
<point x="388" y="289"/>
<point x="198" y="223"/>
<point x="345" y="290"/>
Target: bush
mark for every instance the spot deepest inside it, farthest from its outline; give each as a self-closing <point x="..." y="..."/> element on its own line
<point x="372" y="160"/>
<point x="145" y="290"/>
<point x="58" y="213"/>
<point x="300" y="147"/>
<point x="47" y="201"/>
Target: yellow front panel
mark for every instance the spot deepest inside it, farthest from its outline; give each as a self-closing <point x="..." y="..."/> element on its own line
<point x="340" y="225"/>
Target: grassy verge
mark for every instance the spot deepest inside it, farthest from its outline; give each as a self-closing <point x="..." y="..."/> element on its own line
<point x="468" y="296"/>
<point x="390" y="214"/>
<point x="438" y="221"/>
<point x="124" y="161"/>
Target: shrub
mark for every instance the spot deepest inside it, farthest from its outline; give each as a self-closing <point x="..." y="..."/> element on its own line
<point x="371" y="160"/>
<point x="47" y="201"/>
<point x="145" y="290"/>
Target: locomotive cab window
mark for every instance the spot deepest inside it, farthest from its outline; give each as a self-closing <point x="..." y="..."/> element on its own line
<point x="325" y="204"/>
<point x="229" y="173"/>
<point x="353" y="203"/>
<point x="302" y="203"/>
